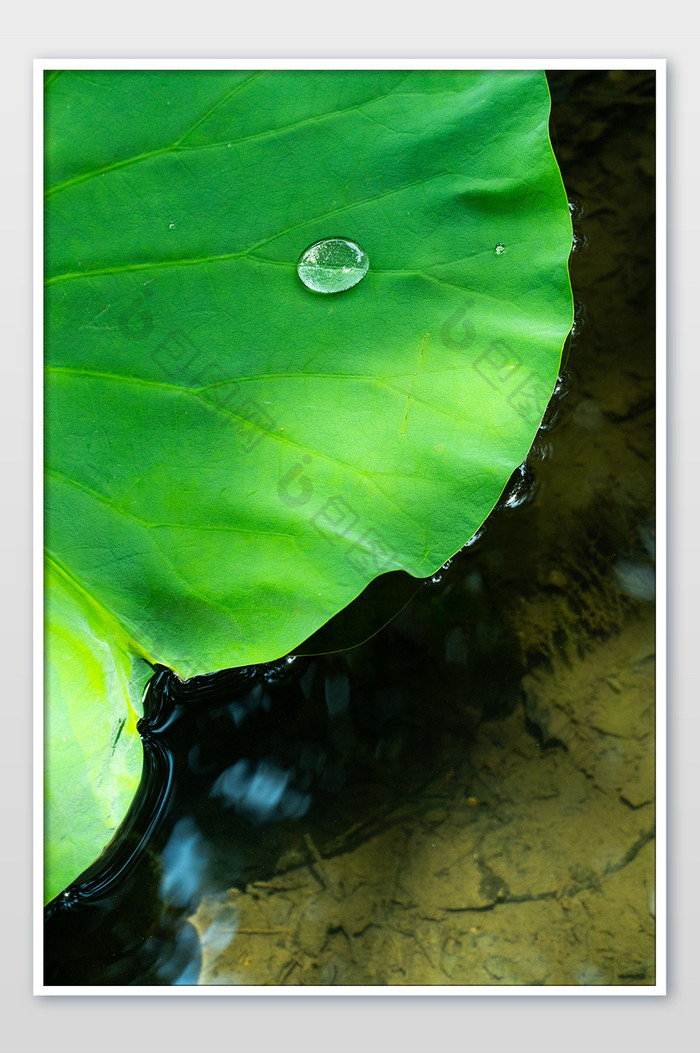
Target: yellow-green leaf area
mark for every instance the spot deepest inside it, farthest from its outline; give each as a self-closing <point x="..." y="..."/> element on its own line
<point x="92" y="751"/>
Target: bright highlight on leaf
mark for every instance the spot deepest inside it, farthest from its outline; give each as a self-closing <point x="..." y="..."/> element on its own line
<point x="94" y="684"/>
<point x="232" y="457"/>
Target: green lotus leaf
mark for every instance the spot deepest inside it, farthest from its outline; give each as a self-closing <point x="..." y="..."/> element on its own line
<point x="231" y="456"/>
<point x="94" y="684"/>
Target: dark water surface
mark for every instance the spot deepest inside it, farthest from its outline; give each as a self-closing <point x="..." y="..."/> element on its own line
<point x="468" y="797"/>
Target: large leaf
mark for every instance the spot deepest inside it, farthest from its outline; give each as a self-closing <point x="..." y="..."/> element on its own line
<point x="232" y="457"/>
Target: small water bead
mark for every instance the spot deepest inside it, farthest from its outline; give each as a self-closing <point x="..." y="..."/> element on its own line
<point x="541" y="450"/>
<point x="580" y="317"/>
<point x="437" y="577"/>
<point x="575" y="209"/>
<point x="579" y="240"/>
<point x="561" y="388"/>
<point x="475" y="538"/>
<point x="332" y="265"/>
<point x="500" y="248"/>
<point x="520" y="488"/>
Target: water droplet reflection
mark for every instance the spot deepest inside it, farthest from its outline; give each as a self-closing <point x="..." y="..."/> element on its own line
<point x="580" y="318"/>
<point x="438" y="576"/>
<point x="552" y="413"/>
<point x="332" y="265"/>
<point x="475" y="538"/>
<point x="520" y="489"/>
<point x="541" y="450"/>
<point x="575" y="208"/>
<point x="500" y="248"/>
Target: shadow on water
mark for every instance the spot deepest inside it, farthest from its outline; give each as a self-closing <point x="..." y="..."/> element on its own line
<point x="367" y="816"/>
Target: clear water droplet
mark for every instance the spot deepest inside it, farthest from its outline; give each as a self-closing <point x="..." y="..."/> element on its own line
<point x="500" y="248"/>
<point x="541" y="450"/>
<point x="552" y="414"/>
<point x="332" y="265"/>
<point x="575" y="208"/>
<point x="520" y="488"/>
<point x="580" y="318"/>
<point x="438" y="576"/>
<point x="171" y="225"/>
<point x="561" y="388"/>
<point x="475" y="538"/>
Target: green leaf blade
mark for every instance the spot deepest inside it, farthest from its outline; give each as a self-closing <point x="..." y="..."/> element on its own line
<point x="231" y="457"/>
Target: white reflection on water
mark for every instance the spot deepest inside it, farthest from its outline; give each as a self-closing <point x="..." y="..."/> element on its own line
<point x="184" y="862"/>
<point x="260" y="792"/>
<point x="217" y="921"/>
<point x="217" y="936"/>
<point x="189" y="977"/>
<point x="636" y="579"/>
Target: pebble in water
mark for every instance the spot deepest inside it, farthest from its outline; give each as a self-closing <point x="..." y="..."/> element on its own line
<point x="332" y="265"/>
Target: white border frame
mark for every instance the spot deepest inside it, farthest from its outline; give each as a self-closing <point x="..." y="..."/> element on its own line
<point x="659" y="66"/>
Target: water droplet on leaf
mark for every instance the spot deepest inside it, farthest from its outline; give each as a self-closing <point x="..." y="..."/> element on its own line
<point x="332" y="265"/>
<point x="500" y="248"/>
<point x="171" y="225"/>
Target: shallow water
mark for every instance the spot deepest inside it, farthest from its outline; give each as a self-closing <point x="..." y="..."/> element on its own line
<point x="468" y="797"/>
